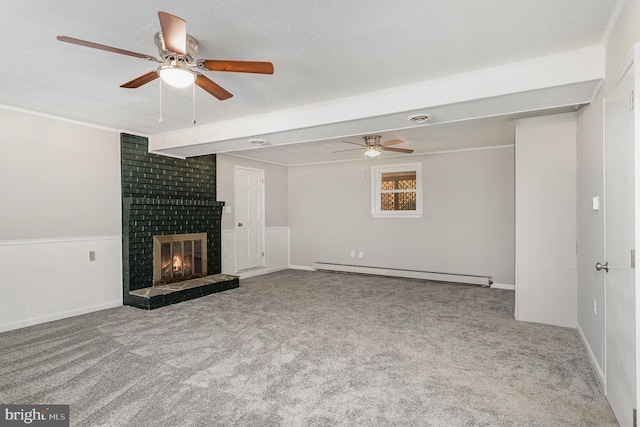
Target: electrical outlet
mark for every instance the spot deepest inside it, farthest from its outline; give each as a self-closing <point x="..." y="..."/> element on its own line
<point x="353" y="254"/>
<point x="595" y="307"/>
<point x="360" y="254"/>
<point x="92" y="255"/>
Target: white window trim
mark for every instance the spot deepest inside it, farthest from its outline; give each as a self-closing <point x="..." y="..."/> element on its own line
<point x="376" y="175"/>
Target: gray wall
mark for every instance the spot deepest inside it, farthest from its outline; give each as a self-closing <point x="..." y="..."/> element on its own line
<point x="467" y="226"/>
<point x="60" y="178"/>
<point x="276" y="196"/>
<point x="546" y="272"/>
<point x="590" y="227"/>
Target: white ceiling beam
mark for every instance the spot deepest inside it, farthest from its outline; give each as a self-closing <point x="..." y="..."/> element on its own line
<point x="566" y="69"/>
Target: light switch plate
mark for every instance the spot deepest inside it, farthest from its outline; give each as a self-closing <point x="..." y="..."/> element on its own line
<point x="595" y="203"/>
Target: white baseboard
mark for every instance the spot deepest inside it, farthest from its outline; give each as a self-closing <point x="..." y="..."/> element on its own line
<point x="503" y="286"/>
<point x="58" y="316"/>
<point x="258" y="272"/>
<point x="301" y="267"/>
<point x="411" y="274"/>
<point x="592" y="358"/>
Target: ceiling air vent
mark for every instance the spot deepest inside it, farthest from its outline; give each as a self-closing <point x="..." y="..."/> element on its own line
<point x="419" y="118"/>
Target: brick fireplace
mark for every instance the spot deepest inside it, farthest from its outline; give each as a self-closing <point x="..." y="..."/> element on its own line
<point x="164" y="196"/>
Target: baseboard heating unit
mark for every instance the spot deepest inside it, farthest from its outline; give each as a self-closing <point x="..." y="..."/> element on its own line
<point x="411" y="274"/>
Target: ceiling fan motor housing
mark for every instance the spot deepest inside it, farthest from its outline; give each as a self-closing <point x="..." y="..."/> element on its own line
<point x="372" y="140"/>
<point x="167" y="55"/>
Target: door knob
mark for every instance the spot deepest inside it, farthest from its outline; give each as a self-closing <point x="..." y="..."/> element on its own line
<point x="239" y="224"/>
<point x="604" y="266"/>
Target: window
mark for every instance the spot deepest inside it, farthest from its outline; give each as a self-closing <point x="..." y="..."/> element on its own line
<point x="397" y="191"/>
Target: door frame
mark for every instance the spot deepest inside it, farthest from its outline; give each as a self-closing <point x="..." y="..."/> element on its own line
<point x="262" y="215"/>
<point x="636" y="172"/>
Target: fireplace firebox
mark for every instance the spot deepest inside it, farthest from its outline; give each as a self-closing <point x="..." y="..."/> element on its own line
<point x="178" y="257"/>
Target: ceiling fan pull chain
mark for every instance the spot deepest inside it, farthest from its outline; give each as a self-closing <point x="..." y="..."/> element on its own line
<point x="160" y="118"/>
<point x="193" y="89"/>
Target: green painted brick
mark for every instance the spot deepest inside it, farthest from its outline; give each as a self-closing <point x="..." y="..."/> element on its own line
<point x="163" y="195"/>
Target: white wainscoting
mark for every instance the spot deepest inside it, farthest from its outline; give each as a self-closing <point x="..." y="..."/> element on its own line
<point x="50" y="279"/>
<point x="276" y="252"/>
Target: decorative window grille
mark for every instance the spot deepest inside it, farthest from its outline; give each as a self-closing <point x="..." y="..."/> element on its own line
<point x="397" y="191"/>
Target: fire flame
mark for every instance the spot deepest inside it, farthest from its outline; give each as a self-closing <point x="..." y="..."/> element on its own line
<point x="177" y="262"/>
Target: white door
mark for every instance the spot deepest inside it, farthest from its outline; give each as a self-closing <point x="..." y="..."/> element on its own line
<point x="249" y="218"/>
<point x="619" y="241"/>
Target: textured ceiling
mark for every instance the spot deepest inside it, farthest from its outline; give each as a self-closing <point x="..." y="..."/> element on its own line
<point x="321" y="51"/>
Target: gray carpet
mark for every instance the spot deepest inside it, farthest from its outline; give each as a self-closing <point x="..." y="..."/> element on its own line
<point x="298" y="348"/>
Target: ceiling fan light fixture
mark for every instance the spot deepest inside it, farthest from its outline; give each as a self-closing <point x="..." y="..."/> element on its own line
<point x="177" y="76"/>
<point x="372" y="152"/>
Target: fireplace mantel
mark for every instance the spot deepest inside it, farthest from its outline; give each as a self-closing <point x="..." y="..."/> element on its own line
<point x="160" y="201"/>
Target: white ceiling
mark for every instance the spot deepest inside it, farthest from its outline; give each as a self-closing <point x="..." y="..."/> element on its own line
<point x="474" y="134"/>
<point x="321" y="51"/>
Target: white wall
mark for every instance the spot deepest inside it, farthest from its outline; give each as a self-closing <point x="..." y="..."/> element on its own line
<point x="61" y="199"/>
<point x="467" y="226"/>
<point x="276" y="213"/>
<point x="546" y="271"/>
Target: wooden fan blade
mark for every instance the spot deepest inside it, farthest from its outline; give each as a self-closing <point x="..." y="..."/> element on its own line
<point x="139" y="81"/>
<point x="174" y="32"/>
<point x="103" y="47"/>
<point x="237" y="66"/>
<point x="392" y="142"/>
<point x="397" y="150"/>
<point x="212" y="88"/>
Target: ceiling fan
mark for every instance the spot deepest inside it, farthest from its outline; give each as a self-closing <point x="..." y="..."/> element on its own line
<point x="373" y="146"/>
<point x="177" y="51"/>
